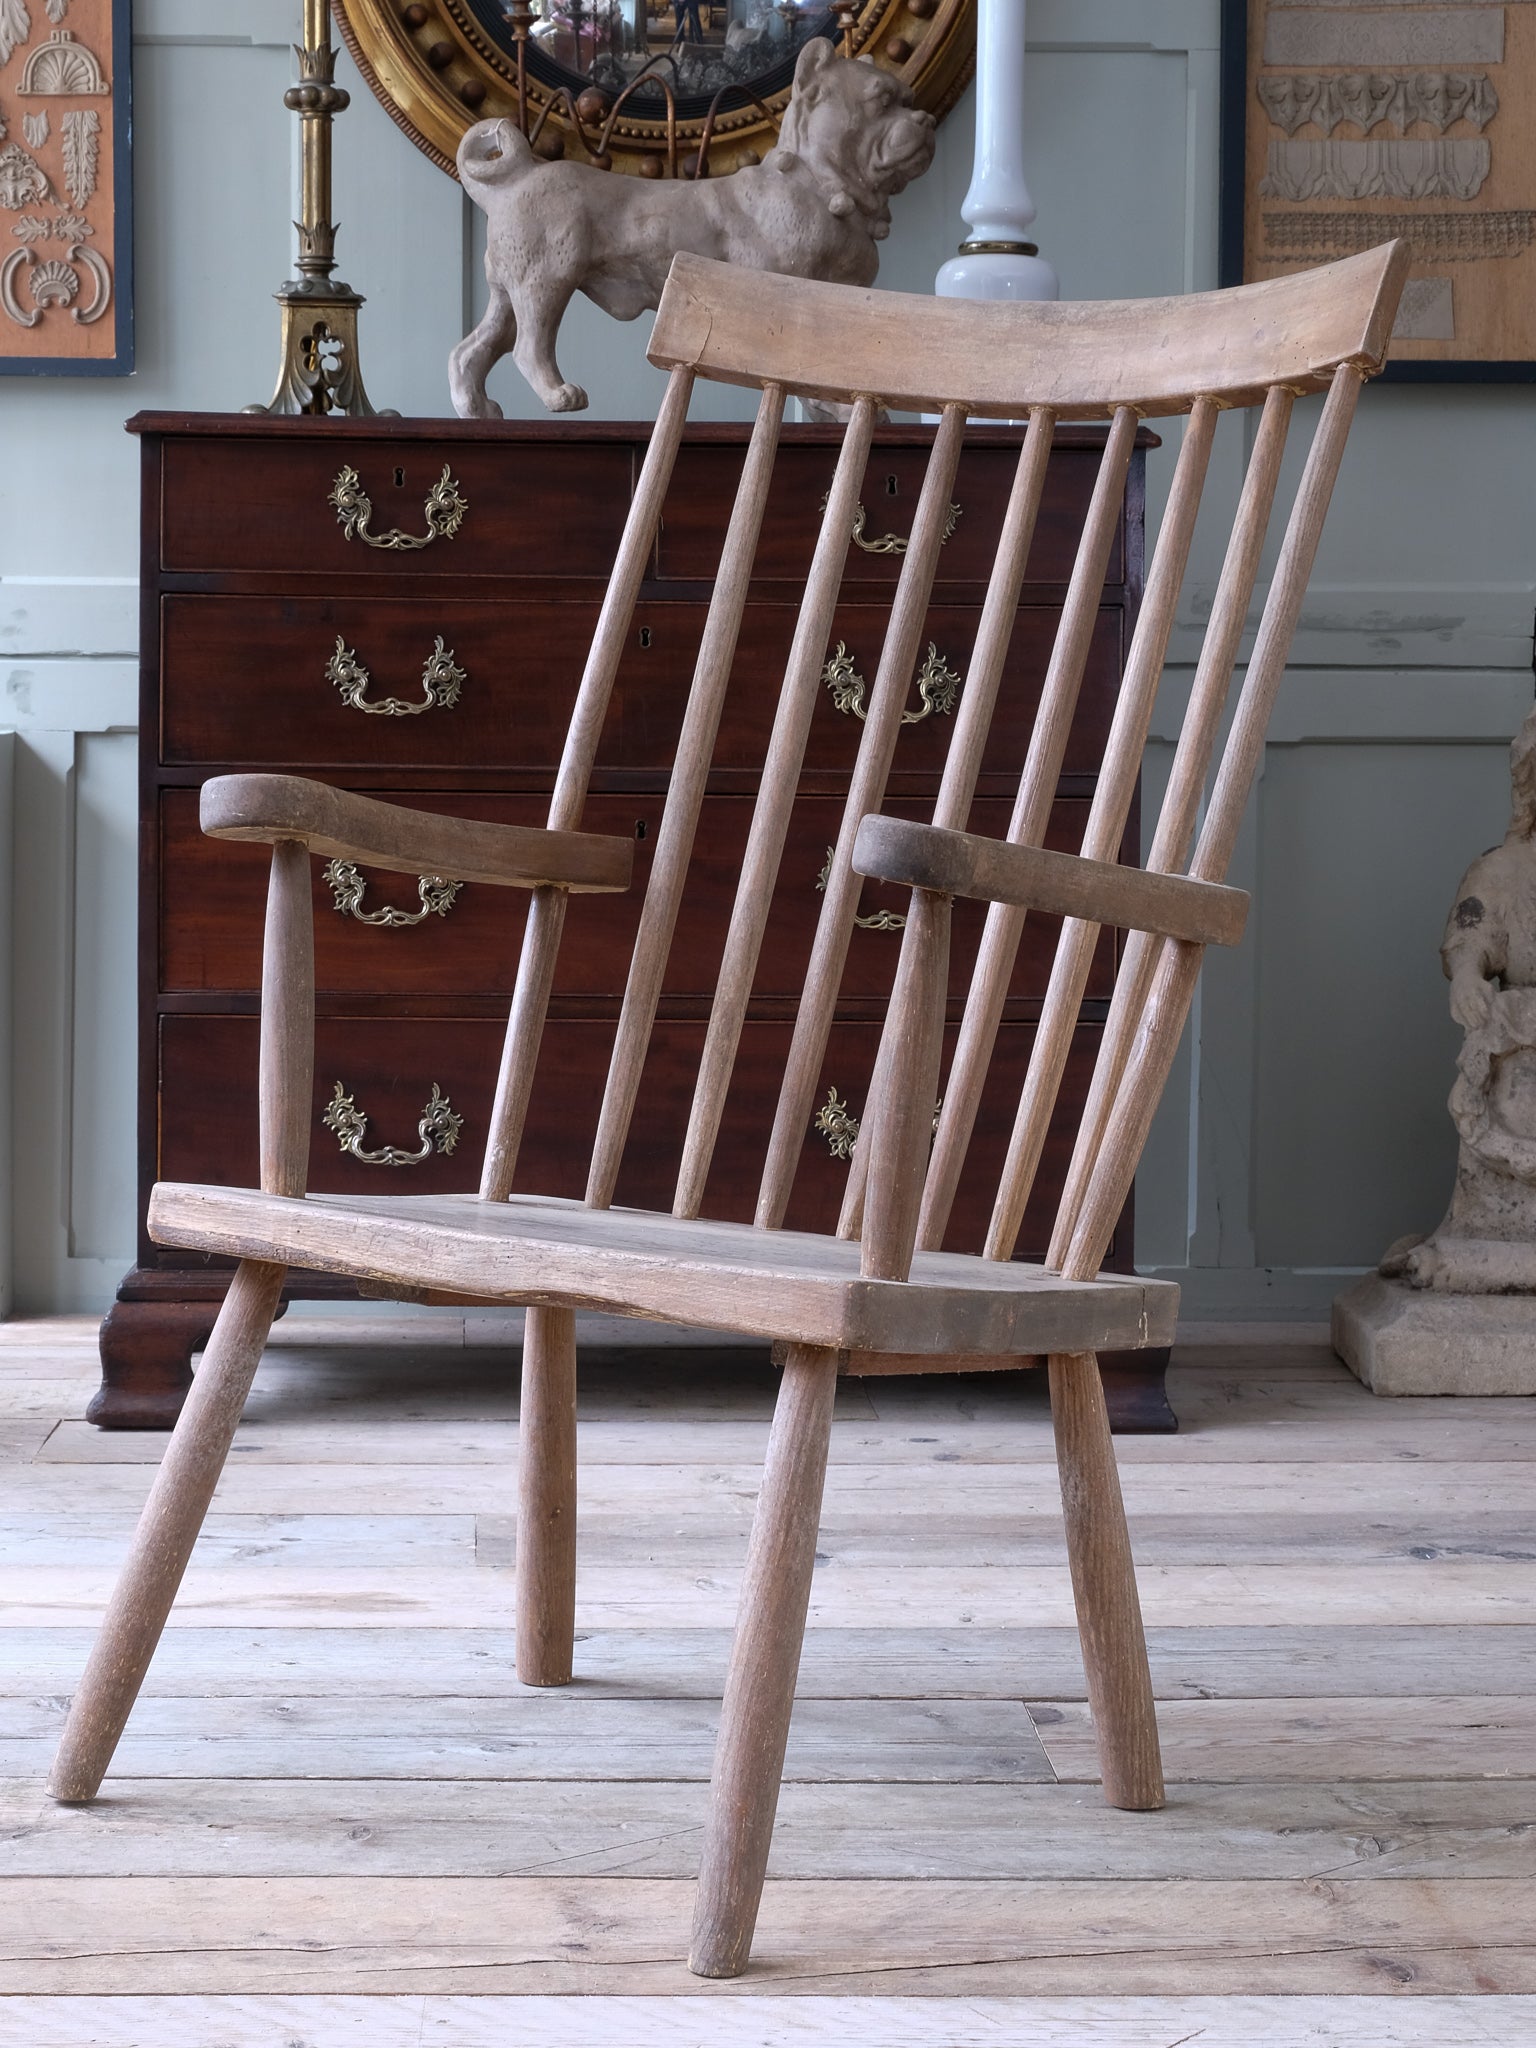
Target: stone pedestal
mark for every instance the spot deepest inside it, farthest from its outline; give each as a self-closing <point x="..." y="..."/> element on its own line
<point x="1405" y="1340"/>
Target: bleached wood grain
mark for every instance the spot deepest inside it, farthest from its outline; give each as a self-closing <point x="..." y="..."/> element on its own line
<point x="836" y="1832"/>
<point x="748" y="2020"/>
<point x="1254" y="1884"/>
<point x="20" y="1441"/>
<point x="894" y="1596"/>
<point x="551" y="1735"/>
<point x="1226" y="1741"/>
<point x="575" y="1935"/>
<point x="783" y="1285"/>
<point x="846" y="1663"/>
<point x="1259" y="1493"/>
<point x="935" y="1434"/>
<point x="960" y="1538"/>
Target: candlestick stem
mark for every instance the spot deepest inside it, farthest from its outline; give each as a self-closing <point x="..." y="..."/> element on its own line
<point x="319" y="372"/>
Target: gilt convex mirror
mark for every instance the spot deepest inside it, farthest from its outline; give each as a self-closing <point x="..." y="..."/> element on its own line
<point x="651" y="87"/>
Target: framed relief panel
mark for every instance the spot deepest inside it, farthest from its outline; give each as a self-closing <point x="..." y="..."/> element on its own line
<point x="1344" y="126"/>
<point x="66" y="192"/>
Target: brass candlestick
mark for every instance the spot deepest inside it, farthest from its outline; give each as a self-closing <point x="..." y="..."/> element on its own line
<point x="320" y="371"/>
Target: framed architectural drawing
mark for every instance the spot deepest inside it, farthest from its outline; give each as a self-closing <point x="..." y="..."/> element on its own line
<point x="66" y="190"/>
<point x="1345" y="125"/>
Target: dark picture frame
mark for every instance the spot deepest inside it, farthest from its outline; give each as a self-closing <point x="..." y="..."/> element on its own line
<point x="120" y="361"/>
<point x="1232" y="209"/>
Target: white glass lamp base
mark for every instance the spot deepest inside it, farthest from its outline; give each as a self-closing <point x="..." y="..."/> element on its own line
<point x="992" y="274"/>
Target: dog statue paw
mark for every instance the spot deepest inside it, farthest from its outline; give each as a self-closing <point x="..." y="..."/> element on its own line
<point x="817" y="206"/>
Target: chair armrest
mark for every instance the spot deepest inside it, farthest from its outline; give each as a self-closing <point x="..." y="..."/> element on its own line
<point x="1063" y="884"/>
<point x="343" y="826"/>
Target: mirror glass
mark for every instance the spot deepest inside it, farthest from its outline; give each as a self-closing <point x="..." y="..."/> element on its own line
<point x="731" y="48"/>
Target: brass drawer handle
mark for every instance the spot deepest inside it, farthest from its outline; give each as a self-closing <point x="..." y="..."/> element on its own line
<point x="938" y="685"/>
<point x="891" y="543"/>
<point x="837" y="1125"/>
<point x="840" y="1127"/>
<point x="347" y="888"/>
<point x="438" y="1130"/>
<point x="445" y="509"/>
<point x="881" y="921"/>
<point x="441" y="678"/>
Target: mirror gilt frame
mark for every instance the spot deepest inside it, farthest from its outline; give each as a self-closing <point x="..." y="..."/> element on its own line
<point x="437" y="69"/>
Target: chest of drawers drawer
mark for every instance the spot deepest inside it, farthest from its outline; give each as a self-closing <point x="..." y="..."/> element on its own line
<point x="414" y="683"/>
<point x="388" y="1069"/>
<point x="301" y="505"/>
<point x="378" y="934"/>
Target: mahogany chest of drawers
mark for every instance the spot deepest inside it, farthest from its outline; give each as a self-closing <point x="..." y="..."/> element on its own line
<point x="403" y="608"/>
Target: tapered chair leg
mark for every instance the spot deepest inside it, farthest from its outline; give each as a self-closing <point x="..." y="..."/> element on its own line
<point x="765" y="1660"/>
<point x="1104" y="1586"/>
<point x="167" y="1530"/>
<point x="546" y="1499"/>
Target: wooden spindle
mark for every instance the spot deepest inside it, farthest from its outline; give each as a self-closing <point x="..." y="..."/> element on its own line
<point x="1107" y="817"/>
<point x="168" y="1528"/>
<point x="286" y="1087"/>
<point x="798" y="699"/>
<point x="994" y="633"/>
<point x="685" y="794"/>
<point x="1178" y="967"/>
<point x="899" y="1121"/>
<point x="1104" y="1586"/>
<point x="1027" y="827"/>
<point x="545" y="1571"/>
<point x="546" y="913"/>
<point x="973" y="722"/>
<point x="866" y="789"/>
<point x="1186" y="783"/>
<point x="765" y="1661"/>
<point x="1266" y="665"/>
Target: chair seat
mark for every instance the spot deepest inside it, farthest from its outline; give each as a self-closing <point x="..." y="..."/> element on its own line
<point x="728" y="1276"/>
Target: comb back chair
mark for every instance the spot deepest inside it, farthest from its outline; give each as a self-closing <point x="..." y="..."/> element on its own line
<point x="880" y="1292"/>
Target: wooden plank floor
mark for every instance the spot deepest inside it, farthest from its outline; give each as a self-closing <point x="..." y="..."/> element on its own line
<point x="337" y="1818"/>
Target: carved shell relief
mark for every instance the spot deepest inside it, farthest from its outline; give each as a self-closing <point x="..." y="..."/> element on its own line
<point x="54" y="282"/>
<point x="62" y="68"/>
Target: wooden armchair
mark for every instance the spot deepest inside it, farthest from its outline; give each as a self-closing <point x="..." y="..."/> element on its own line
<point x="880" y="1294"/>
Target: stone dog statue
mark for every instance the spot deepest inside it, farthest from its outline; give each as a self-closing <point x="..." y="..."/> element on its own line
<point x="1487" y="1242"/>
<point x="815" y="207"/>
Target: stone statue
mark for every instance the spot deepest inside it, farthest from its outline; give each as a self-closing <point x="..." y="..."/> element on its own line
<point x="1455" y="1312"/>
<point x="816" y="206"/>
<point x="1487" y="1242"/>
